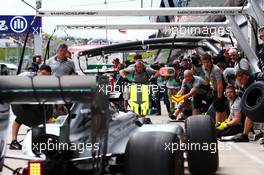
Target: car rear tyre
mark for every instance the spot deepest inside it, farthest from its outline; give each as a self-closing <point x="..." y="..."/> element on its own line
<point x="253" y="102"/>
<point x="202" y="150"/>
<point x="146" y="153"/>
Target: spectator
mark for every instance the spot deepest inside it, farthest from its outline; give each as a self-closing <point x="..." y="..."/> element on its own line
<point x="162" y="93"/>
<point x="223" y="60"/>
<point x="261" y="50"/>
<point x="36" y="61"/>
<point x="4" y="70"/>
<point x="184" y="65"/>
<point x="5" y="118"/>
<point x="113" y="77"/>
<point x="214" y="78"/>
<point x="240" y="63"/>
<point x="140" y="72"/>
<point x="227" y="59"/>
<point x="174" y="84"/>
<point x="232" y="125"/>
<point x="60" y="64"/>
<point x="194" y="86"/>
<point x="115" y="62"/>
<point x="24" y="113"/>
<point x="244" y="80"/>
<point x="197" y="66"/>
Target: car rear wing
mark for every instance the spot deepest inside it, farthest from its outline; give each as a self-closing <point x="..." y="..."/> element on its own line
<point x="51" y="89"/>
<point x="70" y="89"/>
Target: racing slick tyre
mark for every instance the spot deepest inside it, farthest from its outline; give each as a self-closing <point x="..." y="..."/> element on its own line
<point x="202" y="150"/>
<point x="252" y="102"/>
<point x="146" y="153"/>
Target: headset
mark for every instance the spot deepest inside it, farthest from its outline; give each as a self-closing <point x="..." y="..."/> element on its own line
<point x="236" y="91"/>
<point x="236" y="51"/>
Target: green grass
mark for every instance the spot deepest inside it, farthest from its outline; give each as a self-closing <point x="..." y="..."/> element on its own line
<point x="145" y="55"/>
<point x="2" y="53"/>
<point x="12" y="52"/>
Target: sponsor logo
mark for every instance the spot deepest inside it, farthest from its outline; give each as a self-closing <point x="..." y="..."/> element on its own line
<point x="18" y="24"/>
<point x="177" y="98"/>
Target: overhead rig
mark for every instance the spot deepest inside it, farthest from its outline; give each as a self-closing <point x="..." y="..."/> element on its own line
<point x="251" y="9"/>
<point x="139" y="26"/>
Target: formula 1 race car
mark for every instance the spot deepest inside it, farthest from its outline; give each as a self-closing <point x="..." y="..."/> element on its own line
<point x="94" y="140"/>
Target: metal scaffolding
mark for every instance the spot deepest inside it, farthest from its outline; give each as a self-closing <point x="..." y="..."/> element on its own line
<point x="252" y="9"/>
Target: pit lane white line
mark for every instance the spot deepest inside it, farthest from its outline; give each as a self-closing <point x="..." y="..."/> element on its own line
<point x="247" y="154"/>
